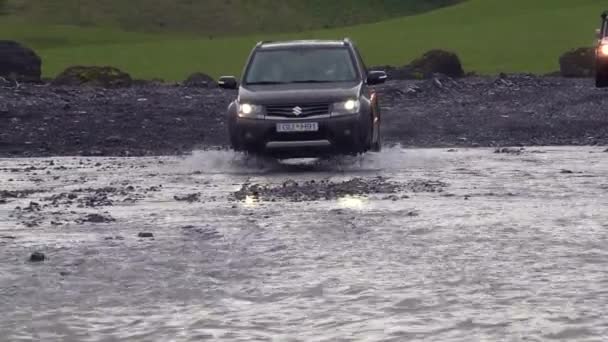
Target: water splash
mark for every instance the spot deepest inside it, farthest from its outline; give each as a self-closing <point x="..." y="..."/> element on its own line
<point x="225" y="161"/>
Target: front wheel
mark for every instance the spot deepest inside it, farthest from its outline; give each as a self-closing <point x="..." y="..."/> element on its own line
<point x="601" y="74"/>
<point x="601" y="80"/>
<point x="377" y="145"/>
<point x="235" y="144"/>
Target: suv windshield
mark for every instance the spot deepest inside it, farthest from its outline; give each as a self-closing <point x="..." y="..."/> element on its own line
<point x="301" y="65"/>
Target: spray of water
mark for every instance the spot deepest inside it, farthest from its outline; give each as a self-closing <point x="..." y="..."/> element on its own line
<point x="226" y="161"/>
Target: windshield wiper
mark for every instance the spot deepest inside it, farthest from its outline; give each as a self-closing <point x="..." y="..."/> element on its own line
<point x="312" y="81"/>
<point x="264" y="83"/>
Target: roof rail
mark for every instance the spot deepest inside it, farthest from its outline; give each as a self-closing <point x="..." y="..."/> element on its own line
<point x="348" y="41"/>
<point x="260" y="43"/>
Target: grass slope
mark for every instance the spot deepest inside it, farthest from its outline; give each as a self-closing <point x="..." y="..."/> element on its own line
<point x="213" y="17"/>
<point x="491" y="36"/>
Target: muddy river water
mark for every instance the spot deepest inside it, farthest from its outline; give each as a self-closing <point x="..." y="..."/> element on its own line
<point x="402" y="245"/>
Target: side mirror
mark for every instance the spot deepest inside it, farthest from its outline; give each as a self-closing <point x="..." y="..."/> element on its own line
<point x="376" y="77"/>
<point x="227" y="82"/>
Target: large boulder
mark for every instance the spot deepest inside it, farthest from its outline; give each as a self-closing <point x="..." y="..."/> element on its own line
<point x="96" y="76"/>
<point x="19" y="63"/>
<point x="199" y="80"/>
<point x="578" y="62"/>
<point x="437" y="62"/>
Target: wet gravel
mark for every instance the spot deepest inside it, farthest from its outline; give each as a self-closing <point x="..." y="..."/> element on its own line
<point x="511" y="110"/>
<point x="313" y="190"/>
<point x="451" y="244"/>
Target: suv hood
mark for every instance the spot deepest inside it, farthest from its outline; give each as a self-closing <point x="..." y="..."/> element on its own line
<point x="299" y="93"/>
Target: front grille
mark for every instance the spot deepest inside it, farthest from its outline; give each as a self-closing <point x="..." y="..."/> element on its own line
<point x="298" y="110"/>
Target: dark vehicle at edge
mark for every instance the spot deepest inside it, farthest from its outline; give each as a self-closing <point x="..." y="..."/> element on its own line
<point x="305" y="99"/>
<point x="601" y="54"/>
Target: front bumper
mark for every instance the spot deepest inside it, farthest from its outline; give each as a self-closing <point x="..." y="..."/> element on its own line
<point x="339" y="134"/>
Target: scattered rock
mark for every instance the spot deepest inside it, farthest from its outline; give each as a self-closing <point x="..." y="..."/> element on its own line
<point x="199" y="80"/>
<point x="105" y="77"/>
<point x="564" y="171"/>
<point x="33" y="206"/>
<point x="145" y="235"/>
<point x="18" y="193"/>
<point x="19" y="63"/>
<point x="97" y="218"/>
<point x="37" y="257"/>
<point x="190" y="198"/>
<point x="578" y="62"/>
<point x="509" y="150"/>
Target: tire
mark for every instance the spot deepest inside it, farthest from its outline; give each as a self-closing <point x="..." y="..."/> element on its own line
<point x="235" y="144"/>
<point x="601" y="80"/>
<point x="377" y="145"/>
<point x="235" y="141"/>
<point x="366" y="137"/>
<point x="601" y="74"/>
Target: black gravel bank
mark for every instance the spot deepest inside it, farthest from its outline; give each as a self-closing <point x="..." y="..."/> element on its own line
<point x="514" y="110"/>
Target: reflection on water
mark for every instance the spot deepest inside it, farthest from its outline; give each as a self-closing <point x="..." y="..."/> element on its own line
<point x="250" y="201"/>
<point x="352" y="202"/>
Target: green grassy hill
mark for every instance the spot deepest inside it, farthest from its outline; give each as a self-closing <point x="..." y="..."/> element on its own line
<point x="491" y="36"/>
<point x="215" y="17"/>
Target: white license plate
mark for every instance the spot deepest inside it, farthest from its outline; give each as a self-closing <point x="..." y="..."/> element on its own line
<point x="298" y="127"/>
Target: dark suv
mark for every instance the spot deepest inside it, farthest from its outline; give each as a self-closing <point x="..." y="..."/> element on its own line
<point x="601" y="54"/>
<point x="305" y="99"/>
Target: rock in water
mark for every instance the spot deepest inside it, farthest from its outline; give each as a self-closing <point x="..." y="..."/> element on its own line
<point x="97" y="218"/>
<point x="19" y="63"/>
<point x="145" y="235"/>
<point x="199" y="80"/>
<point x="37" y="257"/>
<point x="438" y="62"/>
<point x="578" y="62"/>
<point x="105" y="77"/>
<point x="190" y="198"/>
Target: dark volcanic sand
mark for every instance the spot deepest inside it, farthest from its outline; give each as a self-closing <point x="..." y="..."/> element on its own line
<point x="157" y="120"/>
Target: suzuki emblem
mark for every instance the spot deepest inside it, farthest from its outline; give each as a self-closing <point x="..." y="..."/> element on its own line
<point x="297" y="111"/>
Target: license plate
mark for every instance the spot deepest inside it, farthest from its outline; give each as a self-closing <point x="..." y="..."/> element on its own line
<point x="298" y="127"/>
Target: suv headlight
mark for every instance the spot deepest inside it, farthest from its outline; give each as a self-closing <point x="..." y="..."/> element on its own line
<point x="247" y="110"/>
<point x="604" y="49"/>
<point x="347" y="107"/>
